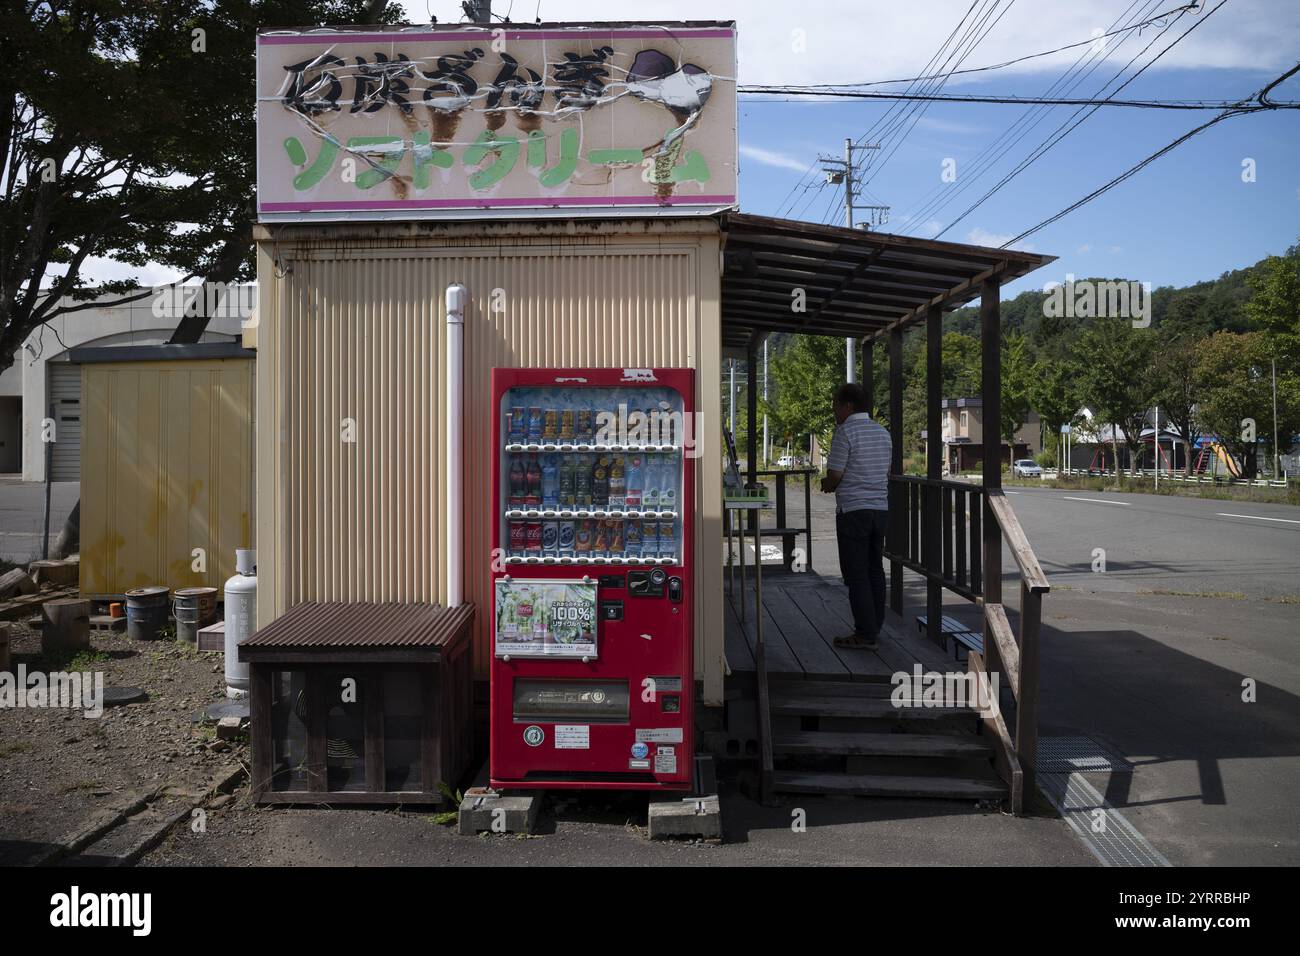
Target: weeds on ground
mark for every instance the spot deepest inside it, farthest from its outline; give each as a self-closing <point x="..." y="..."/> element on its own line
<point x="454" y="797"/>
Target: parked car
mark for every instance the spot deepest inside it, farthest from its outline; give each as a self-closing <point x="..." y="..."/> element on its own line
<point x="791" y="461"/>
<point x="1025" y="468"/>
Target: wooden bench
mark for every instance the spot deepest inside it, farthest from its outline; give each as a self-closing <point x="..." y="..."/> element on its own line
<point x="961" y="635"/>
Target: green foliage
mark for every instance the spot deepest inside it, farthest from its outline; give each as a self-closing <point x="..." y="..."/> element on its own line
<point x="127" y="136"/>
<point x="1237" y="389"/>
<point x="1017" y="378"/>
<point x="804" y="376"/>
<point x="1116" y="375"/>
<point x="1274" y="307"/>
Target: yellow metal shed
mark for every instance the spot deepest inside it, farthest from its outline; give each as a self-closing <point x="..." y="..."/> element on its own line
<point x="166" y="465"/>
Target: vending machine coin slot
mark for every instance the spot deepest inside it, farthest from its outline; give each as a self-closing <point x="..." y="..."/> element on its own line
<point x="648" y="584"/>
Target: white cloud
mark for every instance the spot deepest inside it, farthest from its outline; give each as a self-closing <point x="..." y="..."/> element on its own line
<point x="982" y="237"/>
<point x="770" y="157"/>
<point x="1084" y="249"/>
<point x="853" y="41"/>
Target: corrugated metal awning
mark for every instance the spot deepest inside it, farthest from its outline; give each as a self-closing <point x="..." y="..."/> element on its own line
<point x="340" y="625"/>
<point x="855" y="283"/>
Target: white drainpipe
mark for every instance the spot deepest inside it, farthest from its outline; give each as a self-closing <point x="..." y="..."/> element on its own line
<point x="457" y="300"/>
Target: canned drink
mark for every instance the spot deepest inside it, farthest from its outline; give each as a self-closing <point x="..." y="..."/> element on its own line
<point x="518" y="538"/>
<point x="566" y="425"/>
<point x="632" y="541"/>
<point x="534" y="425"/>
<point x="649" y="538"/>
<point x="518" y="424"/>
<point x="551" y="425"/>
<point x="567" y="539"/>
<point x="667" y="539"/>
<point x="614" y="528"/>
<point x="533" y="538"/>
<point x="583" y="538"/>
<point x="551" y="539"/>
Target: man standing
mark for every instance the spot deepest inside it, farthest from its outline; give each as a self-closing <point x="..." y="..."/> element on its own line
<point x="857" y="470"/>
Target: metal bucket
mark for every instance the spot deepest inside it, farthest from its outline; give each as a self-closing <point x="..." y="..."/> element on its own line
<point x="193" y="608"/>
<point x="146" y="612"/>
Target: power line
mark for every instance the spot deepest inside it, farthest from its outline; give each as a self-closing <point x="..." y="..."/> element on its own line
<point x="1091" y="41"/>
<point x="1259" y="97"/>
<point x="1061" y="131"/>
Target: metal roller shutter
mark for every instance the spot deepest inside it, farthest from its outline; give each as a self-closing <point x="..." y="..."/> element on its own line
<point x="64" y="382"/>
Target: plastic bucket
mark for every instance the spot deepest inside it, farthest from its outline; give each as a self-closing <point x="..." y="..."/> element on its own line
<point x="146" y="612"/>
<point x="193" y="608"/>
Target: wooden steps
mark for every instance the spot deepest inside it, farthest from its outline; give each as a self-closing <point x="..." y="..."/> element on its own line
<point x="853" y="744"/>
<point x="844" y="744"/>
<point x="864" y="708"/>
<point x="888" y="785"/>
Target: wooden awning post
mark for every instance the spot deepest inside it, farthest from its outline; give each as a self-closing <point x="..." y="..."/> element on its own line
<point x="868" y="378"/>
<point x="751" y="412"/>
<point x="933" y="471"/>
<point x="991" y="401"/>
<point x="897" y="514"/>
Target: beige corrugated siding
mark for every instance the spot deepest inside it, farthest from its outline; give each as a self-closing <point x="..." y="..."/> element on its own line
<point x="351" y="336"/>
<point x="166" y="468"/>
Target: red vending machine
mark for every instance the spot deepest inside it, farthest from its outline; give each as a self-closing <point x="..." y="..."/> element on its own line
<point x="592" y="679"/>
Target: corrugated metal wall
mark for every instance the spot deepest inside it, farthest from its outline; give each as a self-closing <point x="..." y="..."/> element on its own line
<point x="350" y="354"/>
<point x="166" y="467"/>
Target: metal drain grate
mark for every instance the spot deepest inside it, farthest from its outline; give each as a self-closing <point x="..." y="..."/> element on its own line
<point x="1078" y="755"/>
<point x="1103" y="829"/>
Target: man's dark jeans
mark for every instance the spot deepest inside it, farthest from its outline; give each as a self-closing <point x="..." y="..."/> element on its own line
<point x="861" y="537"/>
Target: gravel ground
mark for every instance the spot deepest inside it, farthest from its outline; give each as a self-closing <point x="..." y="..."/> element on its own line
<point x="60" y="769"/>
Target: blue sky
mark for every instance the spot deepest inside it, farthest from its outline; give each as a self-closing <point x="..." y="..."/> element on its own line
<point x="1185" y="218"/>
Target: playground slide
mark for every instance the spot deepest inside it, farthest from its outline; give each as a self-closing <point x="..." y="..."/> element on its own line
<point x="1228" y="461"/>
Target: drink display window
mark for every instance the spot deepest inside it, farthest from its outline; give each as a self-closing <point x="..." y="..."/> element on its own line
<point x="591" y="475"/>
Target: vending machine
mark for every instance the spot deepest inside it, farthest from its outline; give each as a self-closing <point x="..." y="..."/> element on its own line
<point x="592" y="679"/>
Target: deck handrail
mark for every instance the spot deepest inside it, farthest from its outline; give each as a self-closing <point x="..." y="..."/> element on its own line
<point x="1030" y="570"/>
<point x="956" y="566"/>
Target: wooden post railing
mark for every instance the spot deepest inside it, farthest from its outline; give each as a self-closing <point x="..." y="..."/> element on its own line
<point x="1012" y="657"/>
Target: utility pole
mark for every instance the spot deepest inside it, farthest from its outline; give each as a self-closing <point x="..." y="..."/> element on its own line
<point x="841" y="171"/>
<point x="1277" y="452"/>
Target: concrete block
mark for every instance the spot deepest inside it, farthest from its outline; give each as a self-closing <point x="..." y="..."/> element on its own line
<point x="229" y="728"/>
<point x="213" y="637"/>
<point x="691" y="817"/>
<point x="484" y="809"/>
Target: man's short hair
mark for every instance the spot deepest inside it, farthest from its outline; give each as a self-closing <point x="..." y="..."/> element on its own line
<point x="851" y="394"/>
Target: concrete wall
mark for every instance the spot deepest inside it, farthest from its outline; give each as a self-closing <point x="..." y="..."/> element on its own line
<point x="352" y="326"/>
<point x="131" y="324"/>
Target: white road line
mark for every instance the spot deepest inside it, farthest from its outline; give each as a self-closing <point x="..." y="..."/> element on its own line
<point x="1013" y="492"/>
<point x="1224" y="514"/>
<point x="1099" y="501"/>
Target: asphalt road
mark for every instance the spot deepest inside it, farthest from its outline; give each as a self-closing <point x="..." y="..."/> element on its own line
<point x="22" y="516"/>
<point x="1153" y="655"/>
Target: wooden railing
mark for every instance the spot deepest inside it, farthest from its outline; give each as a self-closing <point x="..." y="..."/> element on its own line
<point x="951" y="534"/>
<point x="781" y="529"/>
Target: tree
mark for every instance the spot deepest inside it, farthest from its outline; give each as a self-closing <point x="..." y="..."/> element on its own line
<point x="1116" y="379"/>
<point x="1177" y="388"/>
<point x="1017" y="376"/>
<point x="1054" y="393"/>
<point x="804" y="377"/>
<point x="126" y="135"/>
<point x="1274" y="305"/>
<point x="1237" y="395"/>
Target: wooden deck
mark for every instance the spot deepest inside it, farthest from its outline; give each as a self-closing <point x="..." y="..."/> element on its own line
<point x="803" y="614"/>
